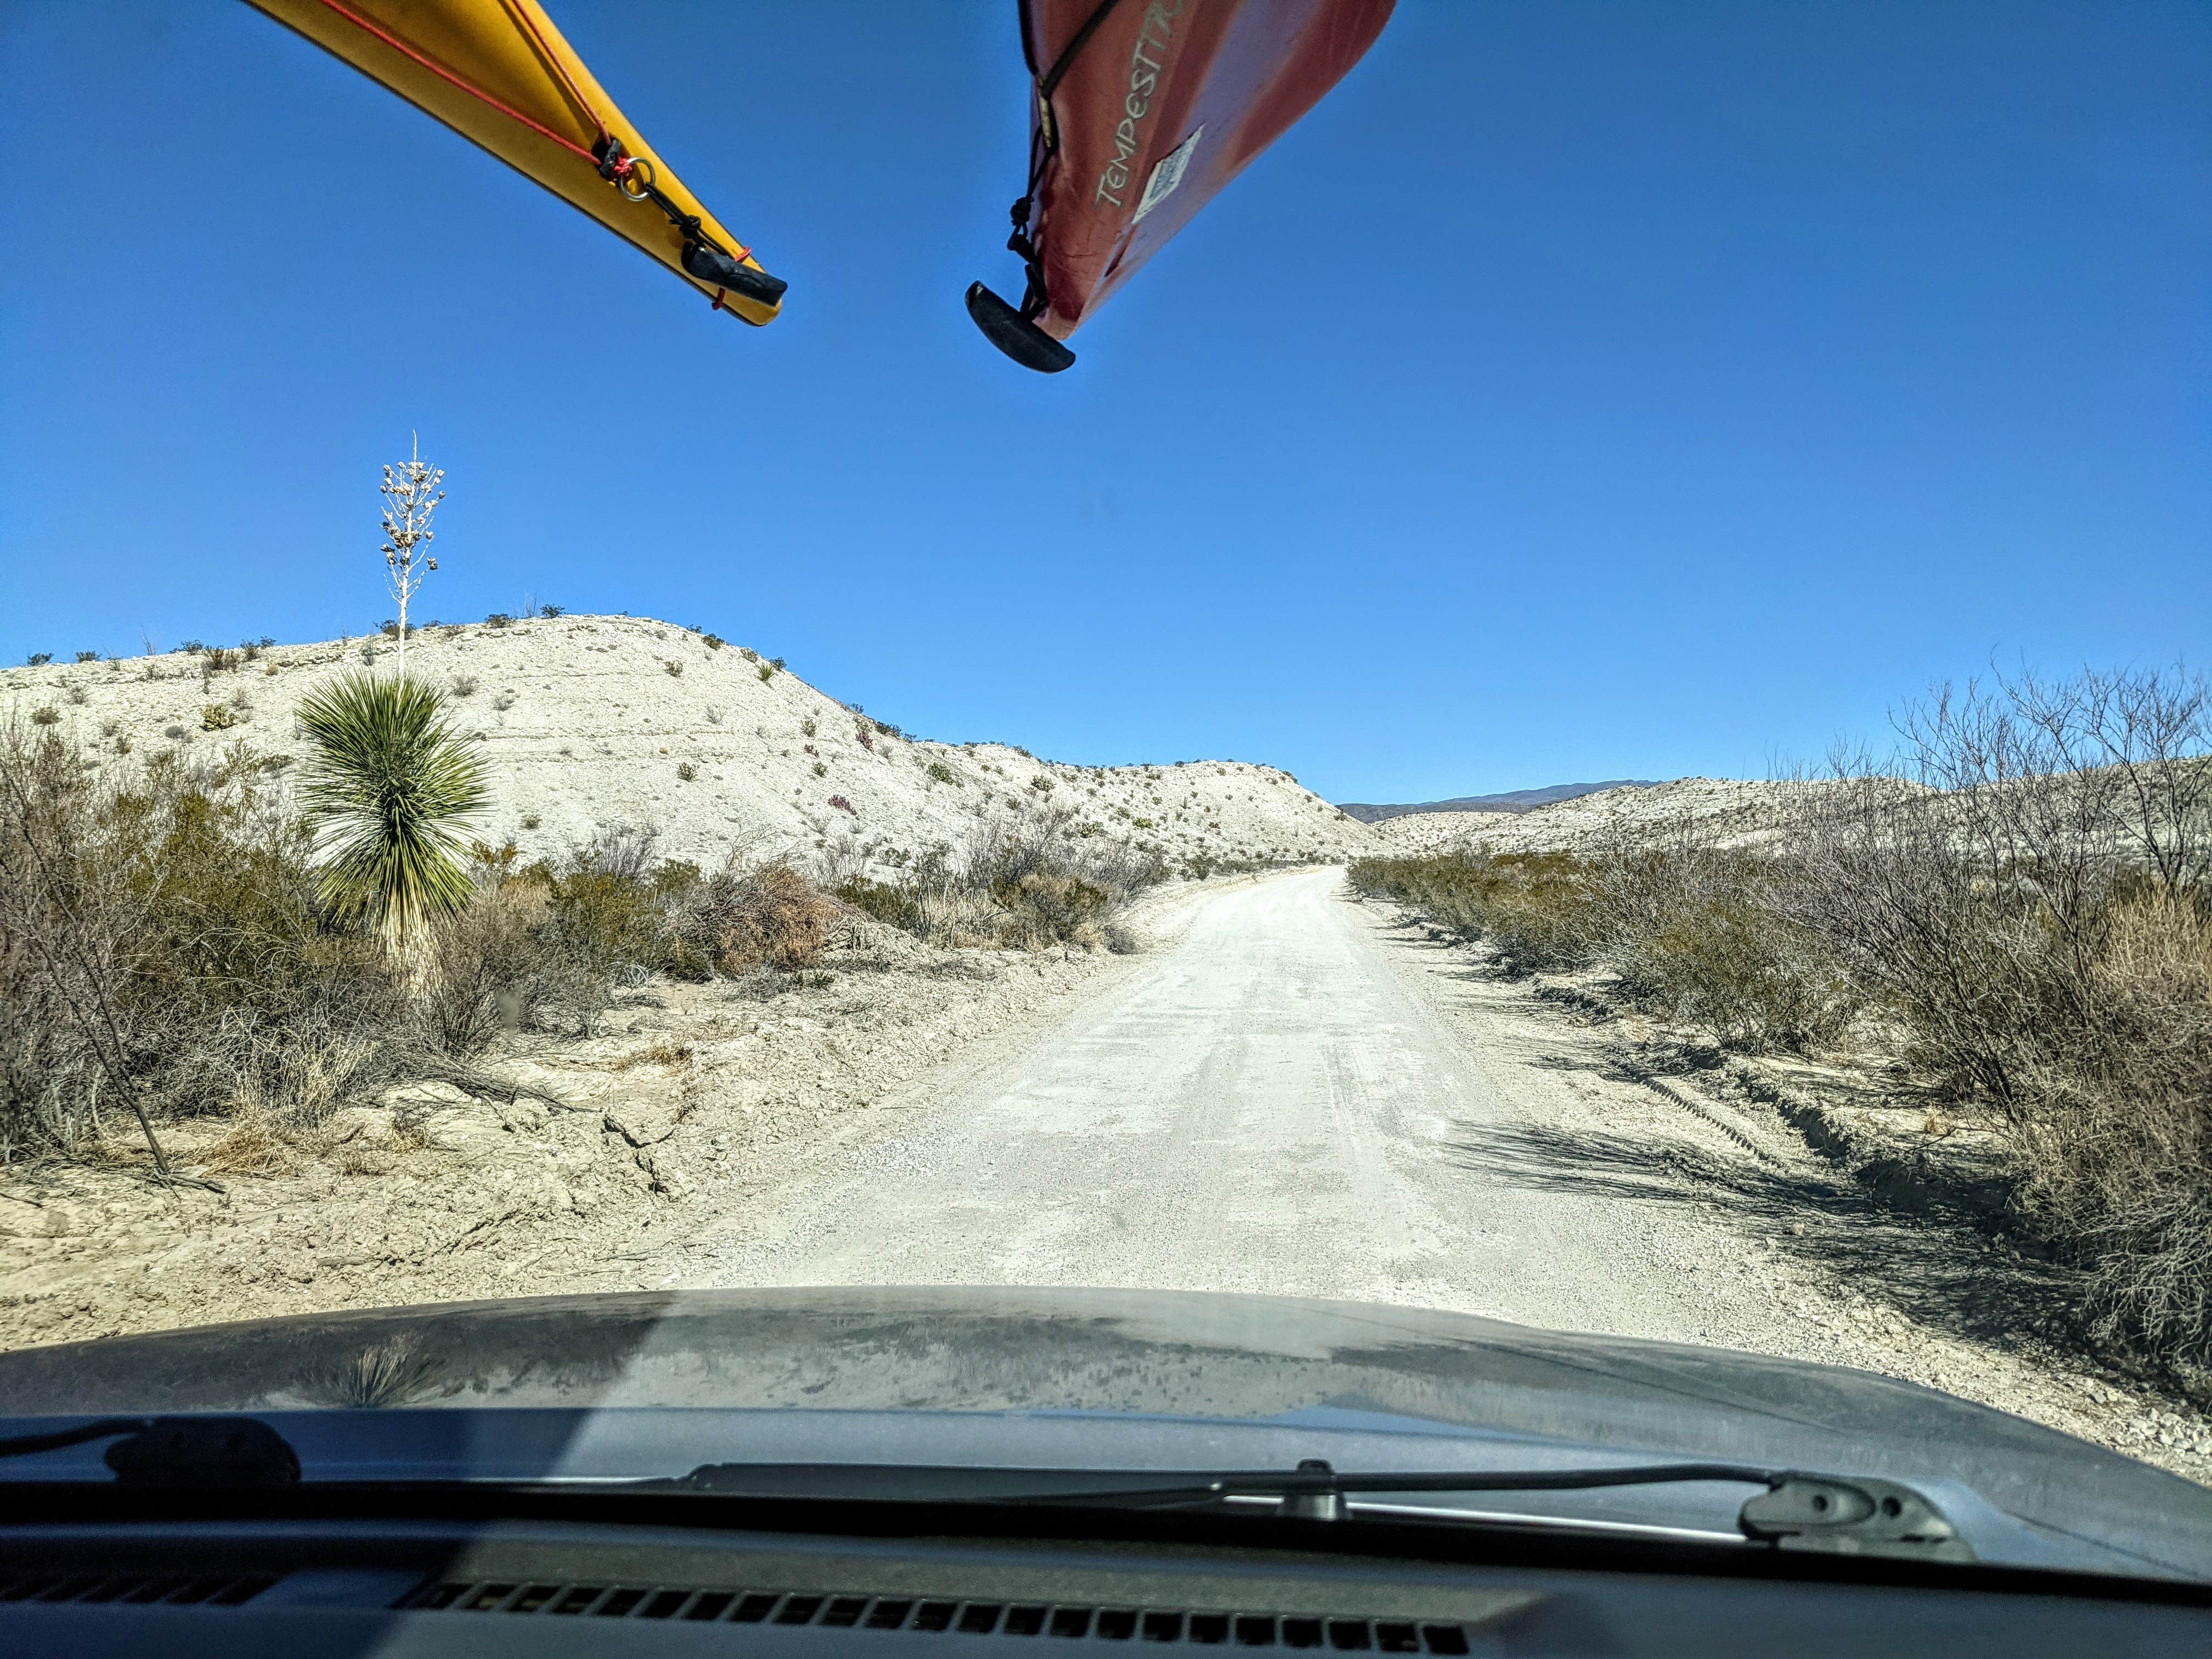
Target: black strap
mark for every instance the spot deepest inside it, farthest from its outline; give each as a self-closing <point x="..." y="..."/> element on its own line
<point x="1042" y="146"/>
<point x="1076" y="43"/>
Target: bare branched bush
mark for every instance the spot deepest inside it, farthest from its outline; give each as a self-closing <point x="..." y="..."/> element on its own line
<point x="160" y="951"/>
<point x="1020" y="884"/>
<point x="2026" y="898"/>
<point x="2024" y="893"/>
<point x="739" y="921"/>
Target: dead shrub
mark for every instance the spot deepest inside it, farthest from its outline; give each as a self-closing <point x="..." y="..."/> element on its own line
<point x="736" y="921"/>
<point x="253" y="1145"/>
<point x="1019" y="884"/>
<point x="2118" y="1146"/>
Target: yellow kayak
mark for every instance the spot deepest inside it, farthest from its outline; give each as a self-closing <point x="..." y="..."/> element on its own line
<point x="498" y="73"/>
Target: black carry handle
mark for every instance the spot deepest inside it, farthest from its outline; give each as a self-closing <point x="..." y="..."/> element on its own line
<point x="709" y="265"/>
<point x="1015" y="334"/>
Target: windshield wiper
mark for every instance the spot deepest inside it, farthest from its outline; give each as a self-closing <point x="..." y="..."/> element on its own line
<point x="1797" y="1509"/>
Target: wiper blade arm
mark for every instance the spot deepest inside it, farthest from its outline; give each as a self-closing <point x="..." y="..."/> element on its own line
<point x="1836" y="1514"/>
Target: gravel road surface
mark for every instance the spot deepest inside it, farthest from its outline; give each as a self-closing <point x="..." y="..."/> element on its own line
<point x="1278" y="1103"/>
<point x="1295" y="1092"/>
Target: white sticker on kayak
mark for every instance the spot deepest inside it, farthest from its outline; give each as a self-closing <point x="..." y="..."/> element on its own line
<point x="1166" y="174"/>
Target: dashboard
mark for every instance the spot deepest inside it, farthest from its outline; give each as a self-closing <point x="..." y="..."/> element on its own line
<point x="416" y="1585"/>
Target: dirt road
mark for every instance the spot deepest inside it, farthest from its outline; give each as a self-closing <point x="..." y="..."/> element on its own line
<point x="1299" y="1093"/>
<point x="1279" y="1104"/>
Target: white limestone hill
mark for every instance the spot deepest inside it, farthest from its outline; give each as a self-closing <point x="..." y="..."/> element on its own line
<point x="1716" y="811"/>
<point x="587" y="724"/>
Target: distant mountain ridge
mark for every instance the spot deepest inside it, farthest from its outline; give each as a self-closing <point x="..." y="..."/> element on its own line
<point x="1512" y="800"/>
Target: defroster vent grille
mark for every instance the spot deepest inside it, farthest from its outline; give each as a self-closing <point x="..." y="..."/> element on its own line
<point x="1042" y="1619"/>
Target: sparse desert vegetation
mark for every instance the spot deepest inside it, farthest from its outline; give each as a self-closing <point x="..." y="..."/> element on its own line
<point x="1022" y="885"/>
<point x="176" y="947"/>
<point x="2016" y="905"/>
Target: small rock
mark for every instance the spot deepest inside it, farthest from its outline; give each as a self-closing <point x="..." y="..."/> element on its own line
<point x="472" y="1129"/>
<point x="361" y="1126"/>
<point x="523" y="1116"/>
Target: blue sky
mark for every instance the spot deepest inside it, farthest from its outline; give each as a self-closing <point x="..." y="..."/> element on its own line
<point x="1580" y="390"/>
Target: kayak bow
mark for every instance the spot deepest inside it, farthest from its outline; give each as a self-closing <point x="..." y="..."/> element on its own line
<point x="1142" y="112"/>
<point x="499" y="73"/>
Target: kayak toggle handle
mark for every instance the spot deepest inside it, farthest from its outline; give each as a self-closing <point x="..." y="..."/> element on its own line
<point x="713" y="265"/>
<point x="1016" y="335"/>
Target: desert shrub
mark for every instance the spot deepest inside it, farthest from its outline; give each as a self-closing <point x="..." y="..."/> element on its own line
<point x="498" y="619"/>
<point x="217" y="717"/>
<point x="610" y="900"/>
<point x="1700" y="933"/>
<point x="894" y="903"/>
<point x="673" y="668"/>
<point x="736" y="921"/>
<point x="88" y="656"/>
<point x="162" y="951"/>
<point x="686" y="771"/>
<point x="2027" y="897"/>
<point x="806" y="726"/>
<point x="39" y="658"/>
<point x="938" y="772"/>
<point x="552" y="611"/>
<point x="1537" y="910"/>
<point x="501" y="966"/>
<point x="547" y="946"/>
<point x="765" y="672"/>
<point x="46" y="716"/>
<point x="1019" y="885"/>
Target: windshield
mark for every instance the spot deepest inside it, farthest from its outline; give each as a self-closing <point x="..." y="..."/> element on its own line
<point x="1492" y="764"/>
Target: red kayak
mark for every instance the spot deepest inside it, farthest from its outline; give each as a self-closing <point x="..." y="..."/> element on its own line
<point x="1143" y="110"/>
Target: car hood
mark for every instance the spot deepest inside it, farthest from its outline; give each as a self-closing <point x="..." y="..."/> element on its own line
<point x="1036" y="1377"/>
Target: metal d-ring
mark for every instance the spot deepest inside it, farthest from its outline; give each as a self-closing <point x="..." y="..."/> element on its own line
<point x="641" y="171"/>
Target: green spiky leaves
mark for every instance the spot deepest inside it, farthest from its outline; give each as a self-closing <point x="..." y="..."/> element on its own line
<point x="389" y="790"/>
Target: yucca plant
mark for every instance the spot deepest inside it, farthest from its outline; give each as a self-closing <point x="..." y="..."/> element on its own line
<point x="389" y="791"/>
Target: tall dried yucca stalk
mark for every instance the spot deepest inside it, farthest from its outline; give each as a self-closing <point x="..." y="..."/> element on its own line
<point x="411" y="495"/>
